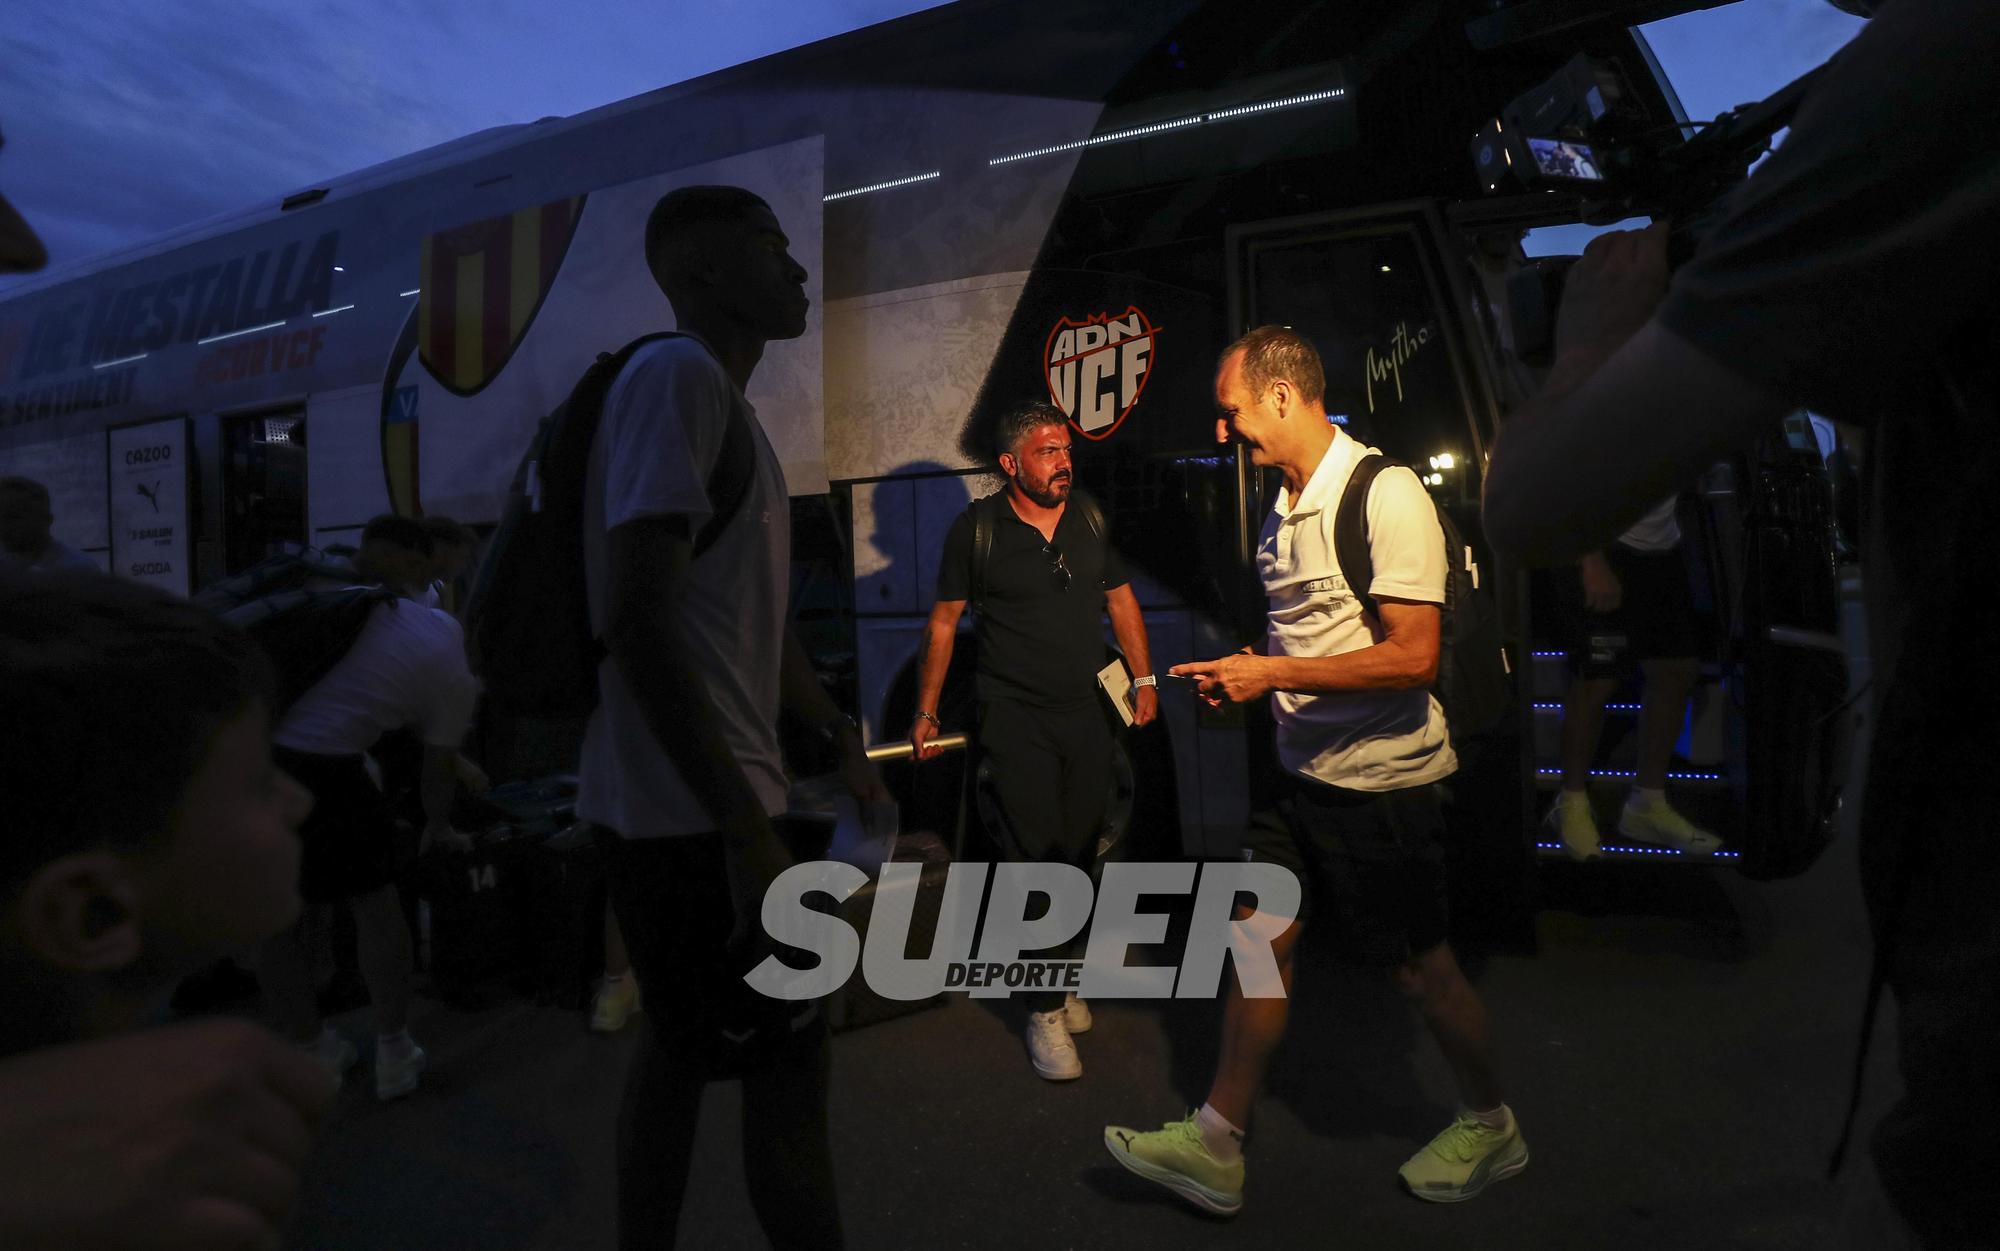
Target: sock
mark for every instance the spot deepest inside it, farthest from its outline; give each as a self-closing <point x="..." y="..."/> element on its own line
<point x="1643" y="798"/>
<point x="396" y="1046"/>
<point x="1494" y="1119"/>
<point x="1223" y="1140"/>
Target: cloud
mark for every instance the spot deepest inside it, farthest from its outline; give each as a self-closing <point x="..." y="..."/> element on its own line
<point x="124" y="122"/>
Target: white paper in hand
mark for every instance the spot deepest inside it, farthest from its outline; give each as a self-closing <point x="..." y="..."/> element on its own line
<point x="1116" y="680"/>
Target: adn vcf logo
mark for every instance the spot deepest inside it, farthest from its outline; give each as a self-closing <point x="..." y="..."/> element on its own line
<point x="1097" y="368"/>
<point x="1239" y="910"/>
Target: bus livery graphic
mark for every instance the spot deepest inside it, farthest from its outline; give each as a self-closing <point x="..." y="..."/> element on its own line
<point x="1097" y="368"/>
<point x="482" y="285"/>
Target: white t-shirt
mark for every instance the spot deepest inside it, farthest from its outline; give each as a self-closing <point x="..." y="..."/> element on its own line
<point x="662" y="431"/>
<point x="407" y="668"/>
<point x="1362" y="740"/>
<point x="1657" y="531"/>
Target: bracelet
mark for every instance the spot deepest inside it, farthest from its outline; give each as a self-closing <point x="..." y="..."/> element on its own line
<point x="930" y="718"/>
<point x="1148" y="680"/>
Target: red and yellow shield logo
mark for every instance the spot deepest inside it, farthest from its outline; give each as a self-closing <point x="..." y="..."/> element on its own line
<point x="483" y="284"/>
<point x="1097" y="368"/>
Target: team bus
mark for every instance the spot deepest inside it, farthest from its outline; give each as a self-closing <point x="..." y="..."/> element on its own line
<point x="1079" y="202"/>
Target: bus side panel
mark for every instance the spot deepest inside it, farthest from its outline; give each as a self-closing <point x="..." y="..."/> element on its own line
<point x="344" y="482"/>
<point x="73" y="469"/>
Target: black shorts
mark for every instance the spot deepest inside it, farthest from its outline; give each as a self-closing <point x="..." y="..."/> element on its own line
<point x="671" y="897"/>
<point x="1378" y="856"/>
<point x="350" y="835"/>
<point x="1654" y="619"/>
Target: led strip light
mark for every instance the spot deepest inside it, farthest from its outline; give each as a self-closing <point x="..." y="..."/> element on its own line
<point x="881" y="186"/>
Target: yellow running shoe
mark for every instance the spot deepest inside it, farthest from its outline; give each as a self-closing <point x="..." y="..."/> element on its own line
<point x="1175" y="1157"/>
<point x="1465" y="1159"/>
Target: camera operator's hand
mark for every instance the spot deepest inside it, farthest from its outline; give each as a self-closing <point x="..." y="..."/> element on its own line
<point x="1609" y="294"/>
<point x="1602" y="591"/>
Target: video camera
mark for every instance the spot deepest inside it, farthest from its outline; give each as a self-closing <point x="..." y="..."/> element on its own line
<point x="1585" y="133"/>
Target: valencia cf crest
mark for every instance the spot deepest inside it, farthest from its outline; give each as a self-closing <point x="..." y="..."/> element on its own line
<point x="1097" y="368"/>
<point x="482" y="286"/>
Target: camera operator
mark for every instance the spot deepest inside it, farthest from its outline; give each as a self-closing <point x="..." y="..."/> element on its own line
<point x="1854" y="273"/>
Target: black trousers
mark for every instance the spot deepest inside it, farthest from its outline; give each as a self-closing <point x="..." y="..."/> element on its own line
<point x="1051" y="770"/>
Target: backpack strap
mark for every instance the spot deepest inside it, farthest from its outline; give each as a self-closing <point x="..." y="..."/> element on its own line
<point x="735" y="468"/>
<point x="1088" y="508"/>
<point x="1350" y="528"/>
<point x="729" y="481"/>
<point x="981" y="512"/>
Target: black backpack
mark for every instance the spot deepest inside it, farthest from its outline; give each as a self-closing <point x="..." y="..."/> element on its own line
<point x="984" y="518"/>
<point x="1474" y="677"/>
<point x="296" y="567"/>
<point x="528" y="616"/>
<point x="307" y="632"/>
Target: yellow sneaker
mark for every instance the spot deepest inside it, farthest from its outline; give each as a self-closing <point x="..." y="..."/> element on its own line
<point x="1464" y="1160"/>
<point x="617" y="999"/>
<point x="1659" y="825"/>
<point x="1175" y="1157"/>
<point x="1570" y="821"/>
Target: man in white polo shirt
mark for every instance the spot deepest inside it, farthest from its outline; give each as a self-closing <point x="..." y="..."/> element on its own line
<point x="1362" y="744"/>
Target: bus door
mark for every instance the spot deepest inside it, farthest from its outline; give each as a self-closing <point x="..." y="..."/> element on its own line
<point x="1378" y="294"/>
<point x="263" y="485"/>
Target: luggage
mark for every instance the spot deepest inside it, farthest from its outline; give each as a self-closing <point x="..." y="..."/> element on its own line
<point x="484" y="903"/>
<point x="854" y="1004"/>
<point x="566" y="902"/>
<point x="476" y="905"/>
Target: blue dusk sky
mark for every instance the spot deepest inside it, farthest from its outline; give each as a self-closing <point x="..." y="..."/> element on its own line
<point x="124" y="121"/>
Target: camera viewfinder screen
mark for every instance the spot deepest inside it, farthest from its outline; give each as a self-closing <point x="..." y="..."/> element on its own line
<point x="1557" y="159"/>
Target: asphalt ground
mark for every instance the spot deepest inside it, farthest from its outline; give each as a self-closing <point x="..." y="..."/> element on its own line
<point x="1677" y="1052"/>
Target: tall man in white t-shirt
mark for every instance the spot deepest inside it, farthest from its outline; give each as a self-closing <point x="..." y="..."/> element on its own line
<point x="407" y="668"/>
<point x="1363" y="745"/>
<point x="681" y="770"/>
<point x="1636" y="608"/>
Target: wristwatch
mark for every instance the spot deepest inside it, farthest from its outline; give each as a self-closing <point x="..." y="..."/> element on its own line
<point x="1148" y="680"/>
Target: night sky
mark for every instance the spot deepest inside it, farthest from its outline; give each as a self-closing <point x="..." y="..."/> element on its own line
<point x="124" y="121"/>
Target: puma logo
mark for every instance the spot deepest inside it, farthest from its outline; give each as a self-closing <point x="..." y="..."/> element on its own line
<point x="1124" y="1138"/>
<point x="739" y="1038"/>
<point x="151" y="493"/>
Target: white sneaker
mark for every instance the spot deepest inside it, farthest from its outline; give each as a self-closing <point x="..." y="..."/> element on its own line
<point x="1049" y="1047"/>
<point x="1571" y="822"/>
<point x="1661" y="826"/>
<point x="396" y="1076"/>
<point x="1076" y="1015"/>
<point x="335" y="1052"/>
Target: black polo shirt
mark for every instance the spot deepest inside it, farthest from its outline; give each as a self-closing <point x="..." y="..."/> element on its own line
<point x="1039" y="642"/>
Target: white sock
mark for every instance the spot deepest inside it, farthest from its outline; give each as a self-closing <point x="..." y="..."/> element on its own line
<point x="1643" y="799"/>
<point x="396" y="1046"/>
<point x="1223" y="1140"/>
<point x="1494" y="1119"/>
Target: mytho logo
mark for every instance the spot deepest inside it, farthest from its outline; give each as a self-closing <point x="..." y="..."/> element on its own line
<point x="1066" y="894"/>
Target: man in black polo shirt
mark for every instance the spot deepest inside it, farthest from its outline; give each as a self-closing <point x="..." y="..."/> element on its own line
<point x="1050" y="576"/>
